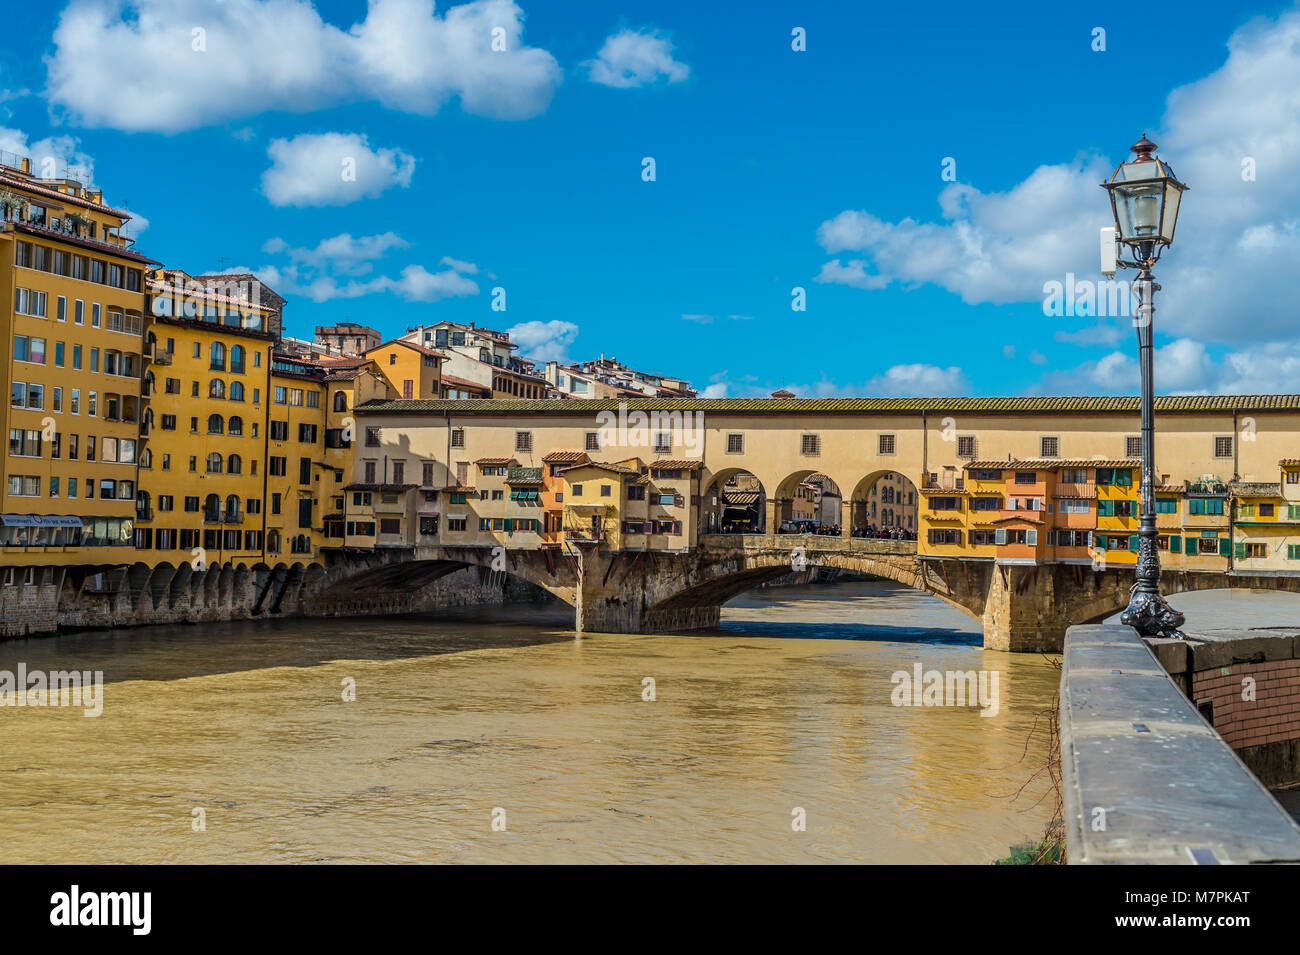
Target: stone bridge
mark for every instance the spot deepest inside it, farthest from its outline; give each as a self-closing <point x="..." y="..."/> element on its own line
<point x="1019" y="608"/>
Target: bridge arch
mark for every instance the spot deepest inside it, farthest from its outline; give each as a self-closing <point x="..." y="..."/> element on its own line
<point x="732" y="572"/>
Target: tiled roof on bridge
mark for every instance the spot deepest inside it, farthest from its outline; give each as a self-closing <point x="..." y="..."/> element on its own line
<point x="1085" y="404"/>
<point x="616" y="468"/>
<point x="563" y="457"/>
<point x="1290" y="462"/>
<point x="1052" y="464"/>
<point x="676" y="464"/>
<point x="491" y="462"/>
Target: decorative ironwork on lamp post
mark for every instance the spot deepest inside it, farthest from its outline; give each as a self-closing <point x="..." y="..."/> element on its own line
<point x="1144" y="197"/>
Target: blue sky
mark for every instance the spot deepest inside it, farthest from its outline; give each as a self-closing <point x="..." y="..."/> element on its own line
<point x="226" y="126"/>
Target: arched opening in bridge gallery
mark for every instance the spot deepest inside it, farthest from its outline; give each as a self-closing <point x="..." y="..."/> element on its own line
<point x="808" y="502"/>
<point x="884" y="504"/>
<point x="735" y="502"/>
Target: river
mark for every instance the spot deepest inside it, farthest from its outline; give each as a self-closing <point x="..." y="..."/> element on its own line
<point x="492" y="735"/>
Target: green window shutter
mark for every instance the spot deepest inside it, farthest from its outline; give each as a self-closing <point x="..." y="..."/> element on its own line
<point x="1133" y="541"/>
<point x="1100" y="543"/>
<point x="1196" y="506"/>
<point x="1225" y="546"/>
<point x="1238" y="549"/>
<point x="1176" y="544"/>
<point x="1191" y="545"/>
<point x="1124" y="477"/>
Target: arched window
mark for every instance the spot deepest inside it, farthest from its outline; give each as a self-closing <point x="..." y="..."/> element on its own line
<point x="215" y="461"/>
<point x="212" y="508"/>
<point x="273" y="542"/>
<point x="215" y="424"/>
<point x="237" y="359"/>
<point x="232" y="506"/>
<point x="218" y="354"/>
<point x="236" y="391"/>
<point x="235" y="426"/>
<point x="234" y="465"/>
<point x="146" y="458"/>
<point x="216" y="388"/>
<point x="340" y="401"/>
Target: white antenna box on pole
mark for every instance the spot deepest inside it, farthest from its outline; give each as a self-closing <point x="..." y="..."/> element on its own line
<point x="1108" y="252"/>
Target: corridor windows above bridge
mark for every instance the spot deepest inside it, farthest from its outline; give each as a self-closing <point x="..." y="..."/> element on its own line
<point x="736" y="443"/>
<point x="885" y="444"/>
<point x="810" y="444"/>
<point x="1049" y="447"/>
<point x="966" y="446"/>
<point x="1132" y="446"/>
<point x="1223" y="446"/>
<point x="523" y="441"/>
<point x="592" y="441"/>
<point x="458" y="437"/>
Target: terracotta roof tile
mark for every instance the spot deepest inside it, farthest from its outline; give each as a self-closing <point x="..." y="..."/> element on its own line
<point x="1089" y="404"/>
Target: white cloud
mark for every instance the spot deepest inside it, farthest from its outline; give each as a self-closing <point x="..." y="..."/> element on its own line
<point x="544" y="341"/>
<point x="342" y="253"/>
<point x="333" y="269"/>
<point x="331" y="169"/>
<point x="632" y="58"/>
<point x="1183" y="366"/>
<point x="194" y="63"/>
<point x="418" y="284"/>
<point x="897" y="381"/>
<point x="1229" y="277"/>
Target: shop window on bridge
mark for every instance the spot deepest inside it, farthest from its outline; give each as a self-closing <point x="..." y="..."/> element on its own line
<point x="1166" y="505"/>
<point x="390" y="525"/>
<point x="944" y="535"/>
<point x="982" y="474"/>
<point x="1026" y="477"/>
<point x="429" y="524"/>
<point x="1208" y="505"/>
<point x="945" y="504"/>
<point x="982" y="538"/>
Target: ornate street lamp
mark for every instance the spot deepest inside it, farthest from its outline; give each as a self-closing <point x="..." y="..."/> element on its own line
<point x="1144" y="197"/>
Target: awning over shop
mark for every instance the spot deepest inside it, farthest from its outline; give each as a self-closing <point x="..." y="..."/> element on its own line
<point x="39" y="520"/>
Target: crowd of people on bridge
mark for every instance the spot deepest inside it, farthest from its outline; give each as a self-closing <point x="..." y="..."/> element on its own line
<point x="828" y="530"/>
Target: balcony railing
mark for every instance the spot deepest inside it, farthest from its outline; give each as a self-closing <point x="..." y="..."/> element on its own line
<point x="144" y="513"/>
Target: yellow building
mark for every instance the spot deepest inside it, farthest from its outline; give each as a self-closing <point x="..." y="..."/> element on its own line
<point x="411" y="370"/>
<point x="202" y="470"/>
<point x="295" y="507"/>
<point x="72" y="301"/>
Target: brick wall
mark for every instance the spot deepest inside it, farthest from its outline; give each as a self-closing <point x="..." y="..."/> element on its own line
<point x="1273" y="716"/>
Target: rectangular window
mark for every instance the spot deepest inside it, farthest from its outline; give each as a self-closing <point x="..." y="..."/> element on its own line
<point x="810" y="444"/>
<point x="966" y="448"/>
<point x="523" y="441"/>
<point x="1049" y="447"/>
<point x="735" y="443"/>
<point x="1223" y="447"/>
<point x="61" y="312"/>
<point x="593" y="441"/>
<point x="458" y="438"/>
<point x="885" y="444"/>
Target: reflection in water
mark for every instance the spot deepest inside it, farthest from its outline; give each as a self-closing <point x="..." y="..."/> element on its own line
<point x="787" y="705"/>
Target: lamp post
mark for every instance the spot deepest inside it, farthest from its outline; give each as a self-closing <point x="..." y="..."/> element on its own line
<point x="1144" y="198"/>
